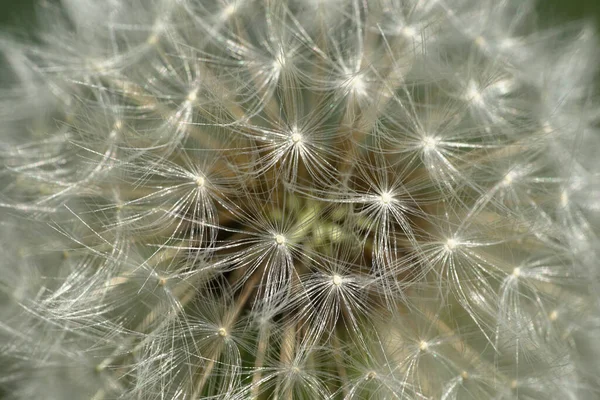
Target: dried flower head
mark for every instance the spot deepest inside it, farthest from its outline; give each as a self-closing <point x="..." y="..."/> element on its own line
<point x="299" y="199"/>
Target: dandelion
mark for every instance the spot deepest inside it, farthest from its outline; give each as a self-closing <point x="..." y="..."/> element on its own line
<point x="285" y="199"/>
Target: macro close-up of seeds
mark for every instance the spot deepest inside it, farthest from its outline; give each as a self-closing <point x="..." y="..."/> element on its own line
<point x="299" y="199"/>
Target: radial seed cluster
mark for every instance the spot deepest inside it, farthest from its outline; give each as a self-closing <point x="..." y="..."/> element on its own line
<point x="299" y="199"/>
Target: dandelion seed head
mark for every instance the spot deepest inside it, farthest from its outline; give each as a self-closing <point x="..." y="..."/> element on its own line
<point x="273" y="199"/>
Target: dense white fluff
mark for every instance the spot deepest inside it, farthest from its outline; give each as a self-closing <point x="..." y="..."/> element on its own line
<point x="299" y="199"/>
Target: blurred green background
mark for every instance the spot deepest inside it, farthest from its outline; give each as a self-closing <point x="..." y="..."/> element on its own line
<point x="15" y="12"/>
<point x="19" y="12"/>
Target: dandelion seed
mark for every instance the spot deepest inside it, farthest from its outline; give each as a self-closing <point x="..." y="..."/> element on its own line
<point x="280" y="61"/>
<point x="228" y="11"/>
<point x="386" y="198"/>
<point x="409" y="32"/>
<point x="192" y="96"/>
<point x="481" y="42"/>
<point x="473" y="94"/>
<point x="451" y="245"/>
<point x="564" y="198"/>
<point x="336" y="280"/>
<point x="508" y="43"/>
<point x="357" y="85"/>
<point x="153" y="39"/>
<point x="296" y="137"/>
<point x="429" y="143"/>
<point x="280" y="239"/>
<point x="508" y="178"/>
